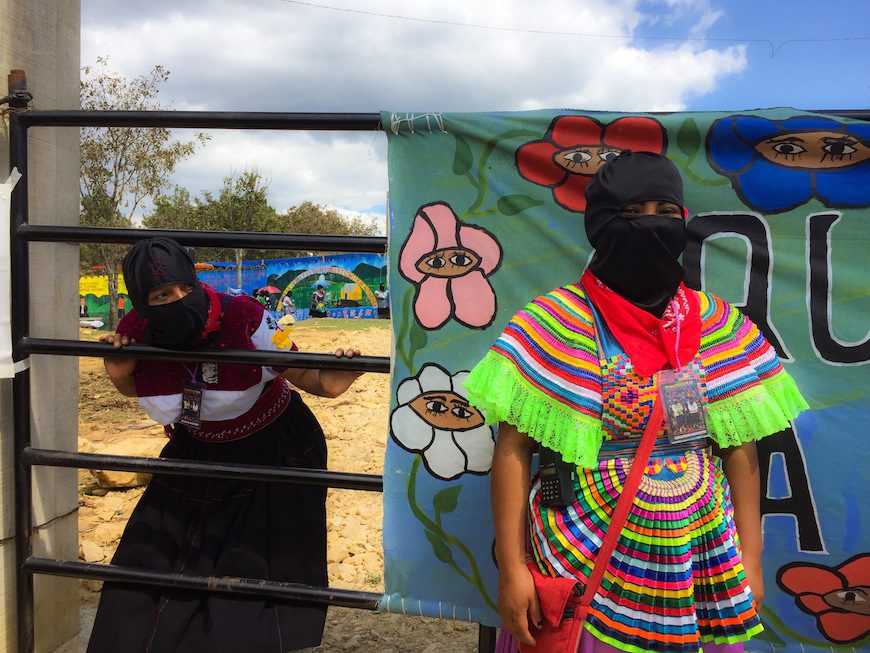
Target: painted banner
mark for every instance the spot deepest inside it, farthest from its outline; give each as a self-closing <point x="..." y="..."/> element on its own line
<point x="347" y="282"/>
<point x="486" y="212"/>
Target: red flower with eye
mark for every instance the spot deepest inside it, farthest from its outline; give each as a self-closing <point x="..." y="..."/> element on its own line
<point x="575" y="147"/>
<point x="838" y="597"/>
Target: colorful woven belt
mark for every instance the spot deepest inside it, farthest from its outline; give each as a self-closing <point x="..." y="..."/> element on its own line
<point x="663" y="448"/>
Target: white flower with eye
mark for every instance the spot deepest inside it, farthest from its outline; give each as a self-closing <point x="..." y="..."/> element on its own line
<point x="434" y="419"/>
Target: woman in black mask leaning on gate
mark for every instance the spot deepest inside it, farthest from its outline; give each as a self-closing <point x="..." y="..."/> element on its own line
<point x="245" y="414"/>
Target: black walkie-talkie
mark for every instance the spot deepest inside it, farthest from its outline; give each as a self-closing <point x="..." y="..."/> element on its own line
<point x="557" y="479"/>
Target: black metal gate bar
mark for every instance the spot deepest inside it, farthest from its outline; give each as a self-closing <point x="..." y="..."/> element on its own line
<point x="59" y="347"/>
<point x="205" y="120"/>
<point x="250" y="586"/>
<point x="20" y="296"/>
<point x="298" y="475"/>
<point x="258" y="240"/>
<point x="256" y="119"/>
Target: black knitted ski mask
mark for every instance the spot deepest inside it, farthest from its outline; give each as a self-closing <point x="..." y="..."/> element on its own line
<point x="156" y="262"/>
<point x="636" y="257"/>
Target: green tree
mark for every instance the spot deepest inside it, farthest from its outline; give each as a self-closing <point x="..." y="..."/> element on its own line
<point x="310" y="218"/>
<point x="241" y="205"/>
<point x="122" y="166"/>
<point x="174" y="211"/>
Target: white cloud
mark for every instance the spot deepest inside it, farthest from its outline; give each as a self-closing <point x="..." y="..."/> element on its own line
<point x="378" y="219"/>
<point x="341" y="169"/>
<point x="284" y="56"/>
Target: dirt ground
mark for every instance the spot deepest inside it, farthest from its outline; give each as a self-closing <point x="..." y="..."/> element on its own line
<point x="356" y="430"/>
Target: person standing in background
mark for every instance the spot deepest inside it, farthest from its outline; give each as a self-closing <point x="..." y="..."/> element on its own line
<point x="289" y="307"/>
<point x="382" y="295"/>
<point x="263" y="297"/>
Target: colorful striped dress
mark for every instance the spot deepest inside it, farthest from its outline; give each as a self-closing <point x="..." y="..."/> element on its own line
<point x="675" y="580"/>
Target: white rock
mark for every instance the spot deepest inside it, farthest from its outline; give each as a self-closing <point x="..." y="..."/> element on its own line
<point x="336" y="552"/>
<point x="91" y="552"/>
<point x="110" y="507"/>
<point x="85" y="445"/>
<point x="131" y="446"/>
<point x="108" y="533"/>
<point x="435" y="648"/>
<point x="93" y="585"/>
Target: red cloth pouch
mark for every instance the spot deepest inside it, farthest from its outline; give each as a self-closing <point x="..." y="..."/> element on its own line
<point x="565" y="601"/>
<point x="563" y="614"/>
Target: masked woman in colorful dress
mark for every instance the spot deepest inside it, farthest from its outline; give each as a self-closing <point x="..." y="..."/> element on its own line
<point x="219" y="413"/>
<point x="576" y="372"/>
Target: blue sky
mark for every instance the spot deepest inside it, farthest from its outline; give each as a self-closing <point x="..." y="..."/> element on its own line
<point x="454" y="55"/>
<point x="805" y="75"/>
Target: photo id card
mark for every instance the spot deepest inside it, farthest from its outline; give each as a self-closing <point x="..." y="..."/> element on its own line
<point x="191" y="404"/>
<point x="683" y="403"/>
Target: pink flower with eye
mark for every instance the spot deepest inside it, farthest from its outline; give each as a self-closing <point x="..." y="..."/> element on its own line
<point x="449" y="263"/>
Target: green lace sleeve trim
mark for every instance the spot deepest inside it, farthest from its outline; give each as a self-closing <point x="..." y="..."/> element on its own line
<point x="497" y="387"/>
<point x="756" y="412"/>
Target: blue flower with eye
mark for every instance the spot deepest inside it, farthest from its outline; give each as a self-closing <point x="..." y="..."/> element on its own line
<point x="777" y="165"/>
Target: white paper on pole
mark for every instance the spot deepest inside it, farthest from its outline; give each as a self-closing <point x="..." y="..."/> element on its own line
<point x="8" y="369"/>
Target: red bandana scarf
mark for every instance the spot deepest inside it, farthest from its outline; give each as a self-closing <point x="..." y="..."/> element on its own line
<point x="651" y="343"/>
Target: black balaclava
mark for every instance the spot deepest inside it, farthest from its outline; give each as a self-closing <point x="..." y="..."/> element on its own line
<point x="156" y="262"/>
<point x="636" y="257"/>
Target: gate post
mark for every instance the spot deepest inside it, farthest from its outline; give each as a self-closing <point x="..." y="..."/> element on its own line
<point x="42" y="38"/>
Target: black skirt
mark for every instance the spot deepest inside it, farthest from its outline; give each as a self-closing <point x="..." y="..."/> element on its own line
<point x="217" y="527"/>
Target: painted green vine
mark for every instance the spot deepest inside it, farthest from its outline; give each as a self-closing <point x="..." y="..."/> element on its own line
<point x="443" y="544"/>
<point x="463" y="165"/>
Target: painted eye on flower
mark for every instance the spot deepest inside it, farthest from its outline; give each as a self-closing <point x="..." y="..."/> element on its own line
<point x="585" y="159"/>
<point x="448" y="262"/>
<point x="436" y="406"/>
<point x="851" y="596"/>
<point x="839" y="148"/>
<point x="578" y="160"/>
<point x="851" y="599"/>
<point x="462" y="412"/>
<point x="436" y="262"/>
<point x="579" y="156"/>
<point x="447" y="411"/>
<point x="814" y="150"/>
<point x="789" y="149"/>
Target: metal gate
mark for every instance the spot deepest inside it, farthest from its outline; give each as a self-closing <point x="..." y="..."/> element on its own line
<point x="26" y="456"/>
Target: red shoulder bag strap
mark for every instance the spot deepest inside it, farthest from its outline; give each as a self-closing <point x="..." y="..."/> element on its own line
<point x="623" y="505"/>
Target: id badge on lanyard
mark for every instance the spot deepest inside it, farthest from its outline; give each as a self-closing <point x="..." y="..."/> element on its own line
<point x="191" y="402"/>
<point x="682" y="398"/>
